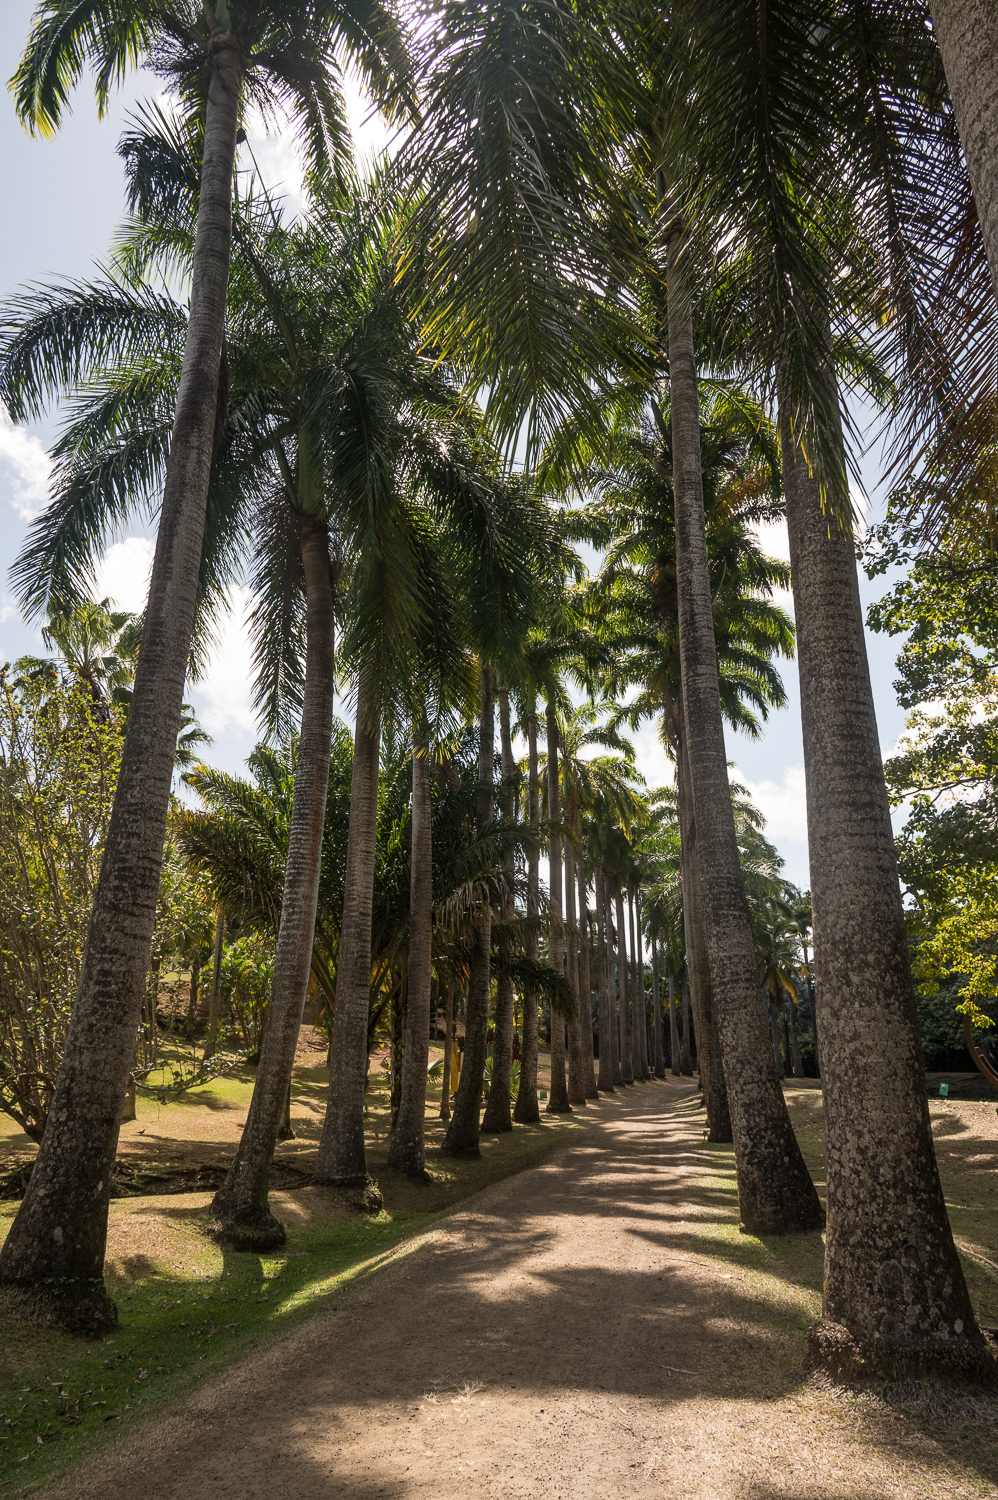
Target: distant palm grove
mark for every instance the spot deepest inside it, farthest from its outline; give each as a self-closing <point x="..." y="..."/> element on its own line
<point x="490" y="431"/>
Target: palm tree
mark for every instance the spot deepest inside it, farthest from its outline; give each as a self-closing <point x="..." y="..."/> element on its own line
<point x="788" y="282"/>
<point x="966" y="32"/>
<point x="285" y="49"/>
<point x="498" y="1116"/>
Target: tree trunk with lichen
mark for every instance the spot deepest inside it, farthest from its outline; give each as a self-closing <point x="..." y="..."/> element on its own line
<point x="53" y="1256"/>
<point x="526" y="1111"/>
<point x="464" y="1131"/>
<point x="775" y="1192"/>
<point x="895" y="1300"/>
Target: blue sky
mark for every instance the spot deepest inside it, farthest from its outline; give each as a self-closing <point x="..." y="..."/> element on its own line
<point x="62" y="199"/>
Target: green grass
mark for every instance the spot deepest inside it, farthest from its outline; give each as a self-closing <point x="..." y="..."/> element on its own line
<point x="189" y="1310"/>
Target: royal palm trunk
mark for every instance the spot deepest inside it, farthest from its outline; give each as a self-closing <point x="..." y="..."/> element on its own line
<point x="967" y="34"/>
<point x="656" y="998"/>
<point x="240" y="1212"/>
<point x="775" y="1191"/>
<point x="55" y="1249"/>
<point x="605" y="1080"/>
<point x="626" y="1030"/>
<point x="674" y="1043"/>
<point x="715" y="1095"/>
<point x="576" y="1056"/>
<point x="407" y="1151"/>
<point x="895" y="1299"/>
<point x="526" y="1110"/>
<point x="558" y="1102"/>
<point x="585" y="983"/>
<point x="448" y="1040"/>
<point x="342" y="1158"/>
<point x="497" y="1115"/>
<point x="687" y="1044"/>
<point x="639" y="1028"/>
<point x="464" y="1131"/>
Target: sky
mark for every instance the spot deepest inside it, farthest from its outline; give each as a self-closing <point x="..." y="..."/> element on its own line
<point x="63" y="197"/>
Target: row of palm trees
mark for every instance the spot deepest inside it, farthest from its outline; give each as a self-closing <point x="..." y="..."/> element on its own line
<point x="594" y="221"/>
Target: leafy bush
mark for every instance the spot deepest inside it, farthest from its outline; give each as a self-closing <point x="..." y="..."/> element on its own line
<point x="59" y="755"/>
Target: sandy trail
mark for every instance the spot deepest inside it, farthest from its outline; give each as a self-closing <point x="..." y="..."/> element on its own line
<point x="560" y="1336"/>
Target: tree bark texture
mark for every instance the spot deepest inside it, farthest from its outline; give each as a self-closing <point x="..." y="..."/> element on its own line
<point x="240" y="1212"/>
<point x="498" y="1116"/>
<point x="448" y="1041"/>
<point x="775" y="1191"/>
<point x="576" y="1056"/>
<point x="216" y="984"/>
<point x="464" y="1131"/>
<point x="407" y="1152"/>
<point x="585" y="983"/>
<point x="656" y="1000"/>
<point x="967" y="34"/>
<point x="526" y="1111"/>
<point x="342" y="1159"/>
<point x="613" y="974"/>
<point x="626" y="1029"/>
<point x="639" y="1028"/>
<point x="558" y="1102"/>
<point x="605" y="1080"/>
<point x="54" y="1252"/>
<point x="674" y="1043"/>
<point x="701" y="994"/>
<point x="895" y="1299"/>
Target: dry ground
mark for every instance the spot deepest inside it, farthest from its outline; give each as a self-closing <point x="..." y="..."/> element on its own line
<point x="592" y="1327"/>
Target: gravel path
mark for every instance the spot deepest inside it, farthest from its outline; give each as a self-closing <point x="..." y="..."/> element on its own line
<point x="567" y="1334"/>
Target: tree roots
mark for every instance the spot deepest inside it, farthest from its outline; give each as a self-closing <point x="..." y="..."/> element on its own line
<point x="833" y="1350"/>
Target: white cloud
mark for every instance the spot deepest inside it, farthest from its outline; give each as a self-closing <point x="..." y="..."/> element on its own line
<point x="123" y="573"/>
<point x="650" y="757"/>
<point x="782" y="803"/>
<point x="222" y="697"/>
<point x="25" y="469"/>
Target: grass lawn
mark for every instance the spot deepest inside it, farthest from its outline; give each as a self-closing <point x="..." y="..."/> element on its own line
<point x="188" y="1309"/>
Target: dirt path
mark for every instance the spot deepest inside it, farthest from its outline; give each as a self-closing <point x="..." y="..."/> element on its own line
<point x="570" y="1333"/>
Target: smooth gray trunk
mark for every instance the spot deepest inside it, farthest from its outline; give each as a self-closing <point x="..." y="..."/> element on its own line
<point x="342" y="1158"/>
<point x="216" y="984"/>
<point x="967" y="35"/>
<point x="448" y="1043"/>
<point x="407" y="1151"/>
<point x="613" y="972"/>
<point x="656" y="999"/>
<point x="585" y="984"/>
<point x="54" y="1252"/>
<point x="526" y="1111"/>
<point x="626" y="1028"/>
<point x="240" y="1212"/>
<point x="498" y="1116"/>
<point x="605" y="1080"/>
<point x="715" y="1095"/>
<point x="775" y="1191"/>
<point x="464" y="1131"/>
<point x="676" y="1065"/>
<point x="895" y="1299"/>
<point x="687" y="1053"/>
<point x="639" y="1009"/>
<point x="558" y="1102"/>
<point x="576" y="1055"/>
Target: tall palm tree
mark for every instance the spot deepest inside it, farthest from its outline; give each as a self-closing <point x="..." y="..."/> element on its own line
<point x="803" y="326"/>
<point x="966" y="32"/>
<point x="280" y="51"/>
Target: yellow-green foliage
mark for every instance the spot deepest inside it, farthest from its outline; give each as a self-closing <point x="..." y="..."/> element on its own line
<point x="59" y="757"/>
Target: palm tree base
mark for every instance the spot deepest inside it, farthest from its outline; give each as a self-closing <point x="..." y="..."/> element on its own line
<point x="833" y="1350"/>
<point x="558" y="1108"/>
<point x="80" y="1305"/>
<point x="461" y="1153"/>
<point x="255" y="1229"/>
<point x="360" y="1193"/>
